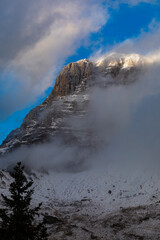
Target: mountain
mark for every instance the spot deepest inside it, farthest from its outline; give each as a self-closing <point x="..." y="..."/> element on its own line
<point x="70" y="97"/>
<point x="102" y="201"/>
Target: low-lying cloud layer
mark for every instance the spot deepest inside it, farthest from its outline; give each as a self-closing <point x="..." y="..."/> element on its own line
<point x="124" y="126"/>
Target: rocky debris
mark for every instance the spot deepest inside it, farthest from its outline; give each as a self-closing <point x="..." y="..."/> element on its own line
<point x="136" y="223"/>
<point x="52" y="220"/>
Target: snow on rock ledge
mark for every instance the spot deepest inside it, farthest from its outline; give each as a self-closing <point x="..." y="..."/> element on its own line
<point x="121" y="60"/>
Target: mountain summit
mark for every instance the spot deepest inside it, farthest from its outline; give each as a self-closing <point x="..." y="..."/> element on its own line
<point x="70" y="97"/>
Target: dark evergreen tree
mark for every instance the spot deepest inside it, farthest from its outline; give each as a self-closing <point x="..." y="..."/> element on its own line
<point x="17" y="218"/>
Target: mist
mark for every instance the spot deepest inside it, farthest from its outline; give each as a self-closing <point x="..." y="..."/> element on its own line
<point x="123" y="125"/>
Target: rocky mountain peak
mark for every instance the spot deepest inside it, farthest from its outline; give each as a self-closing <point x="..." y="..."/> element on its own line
<point x="70" y="97"/>
<point x="70" y="78"/>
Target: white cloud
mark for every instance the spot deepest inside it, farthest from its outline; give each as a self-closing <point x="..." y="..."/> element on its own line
<point x="136" y="2"/>
<point x="37" y="36"/>
<point x="130" y="2"/>
<point x="44" y="34"/>
<point x="146" y="44"/>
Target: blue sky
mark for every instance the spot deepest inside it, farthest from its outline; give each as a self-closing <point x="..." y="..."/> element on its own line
<point x="119" y="23"/>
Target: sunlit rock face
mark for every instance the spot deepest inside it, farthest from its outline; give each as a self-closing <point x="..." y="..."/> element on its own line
<point x="70" y="98"/>
<point x="71" y="77"/>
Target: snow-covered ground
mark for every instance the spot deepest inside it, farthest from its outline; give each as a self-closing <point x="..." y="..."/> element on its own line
<point x="86" y="200"/>
<point x="106" y="191"/>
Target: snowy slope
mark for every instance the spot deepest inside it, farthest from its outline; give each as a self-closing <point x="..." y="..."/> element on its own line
<point x="92" y="204"/>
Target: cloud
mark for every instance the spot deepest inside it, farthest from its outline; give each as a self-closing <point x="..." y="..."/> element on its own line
<point x="131" y="3"/>
<point x="121" y="124"/>
<point x="136" y="2"/>
<point x="35" y="39"/>
<point x="146" y="44"/>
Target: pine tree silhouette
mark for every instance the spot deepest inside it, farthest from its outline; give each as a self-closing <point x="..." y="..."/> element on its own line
<point x="17" y="217"/>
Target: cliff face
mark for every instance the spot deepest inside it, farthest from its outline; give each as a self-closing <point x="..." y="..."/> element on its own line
<point x="46" y="121"/>
<point x="70" y="97"/>
<point x="71" y="76"/>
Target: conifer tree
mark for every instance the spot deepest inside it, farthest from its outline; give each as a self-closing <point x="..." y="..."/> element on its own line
<point x="17" y="218"/>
